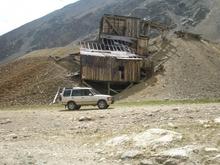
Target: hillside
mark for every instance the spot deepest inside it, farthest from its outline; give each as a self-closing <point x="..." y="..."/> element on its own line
<point x="76" y="21"/>
<point x="34" y="79"/>
<point x="192" y="72"/>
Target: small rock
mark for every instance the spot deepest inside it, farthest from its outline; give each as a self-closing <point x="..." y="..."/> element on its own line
<point x="163" y="118"/>
<point x="57" y="125"/>
<point x="157" y="111"/>
<point x="207" y="126"/>
<point x="150" y="114"/>
<point x="203" y="121"/>
<point x="2" y="131"/>
<point x="7" y="121"/>
<point x="172" y="125"/>
<point x="217" y="120"/>
<point x="146" y="125"/>
<point x="211" y="149"/>
<point x="216" y="157"/>
<point x="99" y="151"/>
<point x="84" y="118"/>
<point x="146" y="162"/>
<point x="80" y="159"/>
<point x="102" y="159"/>
<point x="24" y="129"/>
<point x="175" y="109"/>
<point x="181" y="152"/>
<point x="118" y="140"/>
<point x="172" y="162"/>
<point x="160" y="159"/>
<point x="13" y="136"/>
<point x="132" y="154"/>
<point x="26" y="136"/>
<point x="96" y="130"/>
<point x="30" y="156"/>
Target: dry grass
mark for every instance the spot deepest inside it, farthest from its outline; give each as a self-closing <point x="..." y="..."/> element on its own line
<point x="59" y="52"/>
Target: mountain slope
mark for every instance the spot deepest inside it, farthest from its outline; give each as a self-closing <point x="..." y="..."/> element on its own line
<point x="81" y="19"/>
<point x="34" y="80"/>
<point x="192" y="72"/>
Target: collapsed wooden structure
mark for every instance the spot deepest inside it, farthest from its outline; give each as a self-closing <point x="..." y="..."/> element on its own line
<point x="188" y="35"/>
<point x="120" y="54"/>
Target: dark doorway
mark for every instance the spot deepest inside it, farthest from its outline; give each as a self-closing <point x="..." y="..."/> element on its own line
<point x="121" y="70"/>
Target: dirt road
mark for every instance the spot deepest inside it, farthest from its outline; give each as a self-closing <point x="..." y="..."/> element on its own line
<point x="52" y="135"/>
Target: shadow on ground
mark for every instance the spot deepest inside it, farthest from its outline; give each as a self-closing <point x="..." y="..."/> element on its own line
<point x="85" y="109"/>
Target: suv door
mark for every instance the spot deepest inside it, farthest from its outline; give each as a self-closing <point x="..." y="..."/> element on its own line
<point x="76" y="96"/>
<point x="88" y="97"/>
<point x="66" y="96"/>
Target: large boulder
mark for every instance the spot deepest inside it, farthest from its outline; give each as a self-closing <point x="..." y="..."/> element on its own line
<point x="156" y="137"/>
<point x="118" y="140"/>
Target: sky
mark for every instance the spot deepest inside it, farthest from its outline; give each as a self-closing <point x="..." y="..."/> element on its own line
<point x="14" y="13"/>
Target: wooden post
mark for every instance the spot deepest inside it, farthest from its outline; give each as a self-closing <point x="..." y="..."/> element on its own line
<point x="81" y="69"/>
<point x="109" y="88"/>
<point x="147" y="46"/>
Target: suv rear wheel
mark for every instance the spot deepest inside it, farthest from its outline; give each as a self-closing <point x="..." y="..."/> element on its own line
<point x="102" y="104"/>
<point x="71" y="105"/>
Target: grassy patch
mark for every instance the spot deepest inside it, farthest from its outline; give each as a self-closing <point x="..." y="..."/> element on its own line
<point x="166" y="102"/>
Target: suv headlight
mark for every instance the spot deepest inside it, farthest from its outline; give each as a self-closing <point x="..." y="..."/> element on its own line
<point x="109" y="98"/>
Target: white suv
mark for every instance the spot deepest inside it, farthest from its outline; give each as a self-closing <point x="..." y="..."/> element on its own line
<point x="75" y="97"/>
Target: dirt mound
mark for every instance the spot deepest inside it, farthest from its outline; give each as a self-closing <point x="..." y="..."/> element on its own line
<point x="191" y="70"/>
<point x="32" y="80"/>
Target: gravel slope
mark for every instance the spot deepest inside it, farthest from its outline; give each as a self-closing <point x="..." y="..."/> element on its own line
<point x="192" y="72"/>
<point x="33" y="80"/>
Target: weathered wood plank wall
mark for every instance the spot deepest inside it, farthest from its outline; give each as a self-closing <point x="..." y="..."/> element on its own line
<point x="109" y="69"/>
<point x="121" y="26"/>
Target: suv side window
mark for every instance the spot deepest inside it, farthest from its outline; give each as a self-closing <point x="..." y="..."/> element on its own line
<point x="76" y="93"/>
<point x="86" y="92"/>
<point x="67" y="93"/>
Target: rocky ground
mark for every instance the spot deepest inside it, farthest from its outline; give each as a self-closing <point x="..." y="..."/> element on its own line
<point x="136" y="135"/>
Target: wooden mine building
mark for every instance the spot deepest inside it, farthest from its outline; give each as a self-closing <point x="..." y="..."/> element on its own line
<point x="119" y="55"/>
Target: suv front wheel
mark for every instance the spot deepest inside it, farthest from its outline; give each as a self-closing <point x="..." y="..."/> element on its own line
<point x="71" y="106"/>
<point x="102" y="104"/>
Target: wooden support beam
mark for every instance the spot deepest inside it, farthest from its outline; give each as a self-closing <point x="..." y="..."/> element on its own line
<point x="120" y="38"/>
<point x="132" y="84"/>
<point x="109" y="88"/>
<point x="112" y="26"/>
<point x="56" y="96"/>
<point x="114" y="91"/>
<point x="86" y="84"/>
